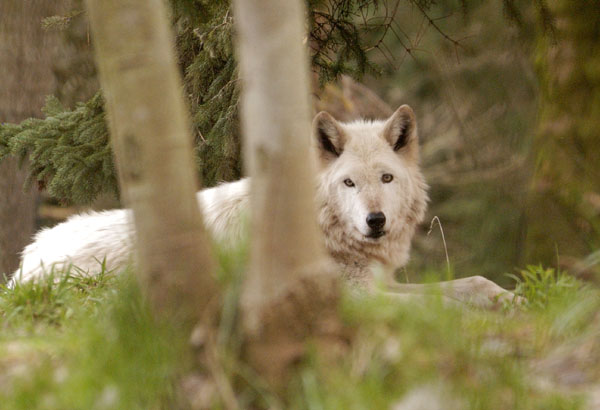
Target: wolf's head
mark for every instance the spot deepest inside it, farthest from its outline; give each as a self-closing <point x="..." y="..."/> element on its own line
<point x="371" y="191"/>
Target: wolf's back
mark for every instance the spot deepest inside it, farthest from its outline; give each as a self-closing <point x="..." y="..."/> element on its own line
<point x="84" y="242"/>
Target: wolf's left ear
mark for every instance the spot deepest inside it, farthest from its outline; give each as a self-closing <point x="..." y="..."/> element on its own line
<point x="401" y="128"/>
<point x="330" y="137"/>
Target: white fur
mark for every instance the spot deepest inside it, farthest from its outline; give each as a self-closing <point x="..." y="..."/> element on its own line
<point x="343" y="210"/>
<point x="86" y="240"/>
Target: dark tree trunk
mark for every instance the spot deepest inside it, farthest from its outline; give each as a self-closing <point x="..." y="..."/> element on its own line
<point x="26" y="55"/>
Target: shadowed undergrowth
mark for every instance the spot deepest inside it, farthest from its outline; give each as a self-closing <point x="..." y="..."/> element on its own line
<point x="90" y="343"/>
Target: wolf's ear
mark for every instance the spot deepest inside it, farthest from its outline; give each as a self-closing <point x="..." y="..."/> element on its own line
<point x="401" y="128"/>
<point x="329" y="135"/>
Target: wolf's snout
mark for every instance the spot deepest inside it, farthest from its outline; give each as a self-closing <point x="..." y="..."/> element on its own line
<point x="376" y="220"/>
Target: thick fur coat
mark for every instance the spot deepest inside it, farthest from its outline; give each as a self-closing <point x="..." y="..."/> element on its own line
<point x="370" y="197"/>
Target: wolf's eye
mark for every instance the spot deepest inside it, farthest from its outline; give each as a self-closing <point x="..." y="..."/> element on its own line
<point x="348" y="182"/>
<point x="386" y="178"/>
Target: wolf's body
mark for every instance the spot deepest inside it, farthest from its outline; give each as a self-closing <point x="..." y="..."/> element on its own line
<point x="85" y="241"/>
<point x="370" y="197"/>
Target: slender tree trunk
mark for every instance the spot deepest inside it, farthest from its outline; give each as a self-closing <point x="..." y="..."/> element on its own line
<point x="290" y="290"/>
<point x="26" y="54"/>
<point x="150" y="131"/>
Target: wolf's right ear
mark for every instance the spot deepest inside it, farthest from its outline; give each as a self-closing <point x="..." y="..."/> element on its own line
<point x="329" y="135"/>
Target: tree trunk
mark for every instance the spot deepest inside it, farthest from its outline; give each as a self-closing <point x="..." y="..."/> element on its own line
<point x="153" y="147"/>
<point x="567" y="156"/>
<point x="290" y="290"/>
<point x="26" y="55"/>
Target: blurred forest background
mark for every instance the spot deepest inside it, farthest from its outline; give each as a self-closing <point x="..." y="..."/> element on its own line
<point x="507" y="95"/>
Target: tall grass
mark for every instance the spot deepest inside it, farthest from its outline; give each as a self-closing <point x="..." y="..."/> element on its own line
<point x="75" y="342"/>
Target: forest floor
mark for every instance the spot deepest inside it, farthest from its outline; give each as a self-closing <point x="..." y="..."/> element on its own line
<point x="90" y="343"/>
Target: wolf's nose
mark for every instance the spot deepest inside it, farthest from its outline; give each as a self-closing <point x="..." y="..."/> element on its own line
<point x="376" y="220"/>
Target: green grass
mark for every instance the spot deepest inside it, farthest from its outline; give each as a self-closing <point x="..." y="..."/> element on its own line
<point x="468" y="359"/>
<point x="71" y="342"/>
<point x="85" y="343"/>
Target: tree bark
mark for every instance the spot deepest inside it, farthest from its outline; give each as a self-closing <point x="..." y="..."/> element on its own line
<point x="567" y="180"/>
<point x="290" y="291"/>
<point x="26" y="55"/>
<point x="150" y="132"/>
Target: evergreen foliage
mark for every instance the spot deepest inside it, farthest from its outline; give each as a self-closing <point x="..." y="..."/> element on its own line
<point x="337" y="42"/>
<point x="69" y="150"/>
<point x="207" y="58"/>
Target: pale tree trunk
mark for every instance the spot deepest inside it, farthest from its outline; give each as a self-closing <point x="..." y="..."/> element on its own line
<point x="151" y="136"/>
<point x="290" y="290"/>
<point x="26" y="55"/>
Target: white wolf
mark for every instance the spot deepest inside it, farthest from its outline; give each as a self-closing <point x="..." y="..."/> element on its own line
<point x="370" y="196"/>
